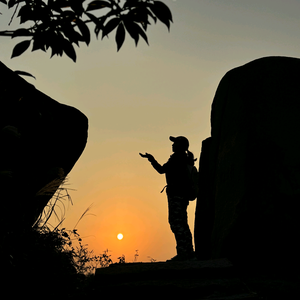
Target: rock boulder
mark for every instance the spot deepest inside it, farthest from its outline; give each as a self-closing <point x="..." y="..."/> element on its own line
<point x="247" y="209"/>
<point x="40" y="141"/>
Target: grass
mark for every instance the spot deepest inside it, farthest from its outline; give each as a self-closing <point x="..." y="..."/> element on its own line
<point x="51" y="259"/>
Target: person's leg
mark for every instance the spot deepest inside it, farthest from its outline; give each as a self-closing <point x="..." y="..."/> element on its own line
<point x="179" y="226"/>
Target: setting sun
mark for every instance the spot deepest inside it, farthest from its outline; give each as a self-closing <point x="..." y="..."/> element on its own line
<point x="120" y="236"/>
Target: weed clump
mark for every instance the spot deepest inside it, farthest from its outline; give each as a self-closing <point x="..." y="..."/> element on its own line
<point x="39" y="261"/>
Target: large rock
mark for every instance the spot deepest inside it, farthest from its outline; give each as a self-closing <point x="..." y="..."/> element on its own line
<point x="247" y="209"/>
<point x="211" y="279"/>
<point x="40" y="141"/>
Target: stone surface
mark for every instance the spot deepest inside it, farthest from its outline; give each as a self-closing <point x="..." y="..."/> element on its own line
<point x="204" y="220"/>
<point x="211" y="279"/>
<point x="40" y="141"/>
<point x="248" y="211"/>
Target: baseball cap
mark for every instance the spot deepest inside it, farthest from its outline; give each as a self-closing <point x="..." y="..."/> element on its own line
<point x="181" y="140"/>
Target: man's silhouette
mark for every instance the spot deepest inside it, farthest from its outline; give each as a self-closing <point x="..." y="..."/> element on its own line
<point x="177" y="181"/>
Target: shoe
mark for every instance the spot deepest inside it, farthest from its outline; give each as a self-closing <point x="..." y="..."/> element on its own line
<point x="184" y="257"/>
<point x="176" y="258"/>
<point x="192" y="256"/>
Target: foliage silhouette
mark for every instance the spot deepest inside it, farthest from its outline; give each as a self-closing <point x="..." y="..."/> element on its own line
<point x="59" y="24"/>
<point x="38" y="255"/>
<point x="45" y="254"/>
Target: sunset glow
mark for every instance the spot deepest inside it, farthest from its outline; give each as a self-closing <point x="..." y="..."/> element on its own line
<point x="136" y="98"/>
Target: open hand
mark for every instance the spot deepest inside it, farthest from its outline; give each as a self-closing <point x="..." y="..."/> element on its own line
<point x="147" y="155"/>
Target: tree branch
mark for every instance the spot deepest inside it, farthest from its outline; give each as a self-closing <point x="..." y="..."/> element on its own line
<point x="13" y="14"/>
<point x="7" y="33"/>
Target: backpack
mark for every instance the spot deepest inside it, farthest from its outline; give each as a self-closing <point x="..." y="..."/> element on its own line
<point x="193" y="182"/>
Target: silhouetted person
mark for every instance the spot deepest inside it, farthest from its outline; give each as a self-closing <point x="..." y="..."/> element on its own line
<point x="176" y="176"/>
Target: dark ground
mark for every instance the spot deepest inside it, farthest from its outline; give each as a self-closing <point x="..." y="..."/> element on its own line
<point x="211" y="279"/>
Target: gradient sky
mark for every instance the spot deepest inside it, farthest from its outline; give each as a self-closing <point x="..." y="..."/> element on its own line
<point x="136" y="98"/>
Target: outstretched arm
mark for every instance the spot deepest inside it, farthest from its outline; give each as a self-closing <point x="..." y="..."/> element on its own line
<point x="154" y="163"/>
<point x="147" y="155"/>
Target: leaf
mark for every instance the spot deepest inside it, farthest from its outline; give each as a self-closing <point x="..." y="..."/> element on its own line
<point x="23" y="73"/>
<point x="99" y="25"/>
<point x="97" y="4"/>
<point x="11" y="3"/>
<point x="132" y="29"/>
<point x="136" y="17"/>
<point x="152" y="16"/>
<point x="20" y="48"/>
<point x="130" y="3"/>
<point x="112" y="13"/>
<point x="25" y="14"/>
<point x="84" y="31"/>
<point x="38" y="44"/>
<point x="72" y="35"/>
<point x="63" y="3"/>
<point x="92" y="18"/>
<point x="55" y="41"/>
<point x="120" y="36"/>
<point x="143" y="34"/>
<point x="162" y="12"/>
<point x="40" y="40"/>
<point x="54" y="6"/>
<point x="69" y="49"/>
<point x="110" y="26"/>
<point x="145" y="25"/>
<point x="77" y="7"/>
<point x="139" y="15"/>
<point x="68" y="15"/>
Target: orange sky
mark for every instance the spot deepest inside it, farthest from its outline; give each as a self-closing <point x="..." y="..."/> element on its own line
<point x="136" y="98"/>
